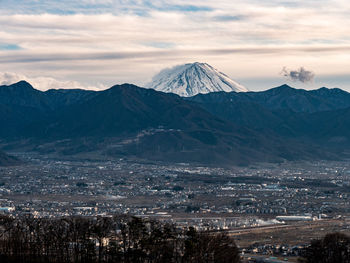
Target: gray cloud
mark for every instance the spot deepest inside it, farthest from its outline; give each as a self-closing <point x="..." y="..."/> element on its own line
<point x="229" y="18"/>
<point x="300" y="74"/>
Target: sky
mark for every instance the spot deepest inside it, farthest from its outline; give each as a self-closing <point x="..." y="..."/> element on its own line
<point x="95" y="44"/>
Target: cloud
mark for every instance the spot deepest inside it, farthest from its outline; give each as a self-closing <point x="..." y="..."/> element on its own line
<point x="162" y="52"/>
<point x="228" y="18"/>
<point x="44" y="83"/>
<point x="301" y="75"/>
<point x="116" y="41"/>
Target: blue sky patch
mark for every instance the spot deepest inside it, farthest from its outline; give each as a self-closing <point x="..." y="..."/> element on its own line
<point x="4" y="46"/>
<point x="65" y="7"/>
<point x="160" y="44"/>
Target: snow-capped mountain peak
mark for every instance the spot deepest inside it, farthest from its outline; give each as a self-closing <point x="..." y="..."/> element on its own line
<point x="191" y="79"/>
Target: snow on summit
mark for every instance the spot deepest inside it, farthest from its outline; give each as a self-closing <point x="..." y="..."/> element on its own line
<point x="193" y="78"/>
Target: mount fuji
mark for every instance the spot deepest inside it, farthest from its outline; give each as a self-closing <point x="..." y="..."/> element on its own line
<point x="194" y="78"/>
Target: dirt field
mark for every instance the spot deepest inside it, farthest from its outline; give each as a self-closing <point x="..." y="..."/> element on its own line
<point x="292" y="233"/>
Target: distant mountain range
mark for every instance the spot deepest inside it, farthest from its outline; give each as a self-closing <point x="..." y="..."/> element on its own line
<point x="284" y="110"/>
<point x="234" y="128"/>
<point x="192" y="79"/>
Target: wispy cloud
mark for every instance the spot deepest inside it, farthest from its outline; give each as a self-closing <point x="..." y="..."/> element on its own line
<point x="45" y="83"/>
<point x="227" y="18"/>
<point x="29" y="57"/>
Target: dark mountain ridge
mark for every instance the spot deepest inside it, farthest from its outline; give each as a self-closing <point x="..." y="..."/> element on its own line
<point x="23" y="94"/>
<point x="22" y="106"/>
<point x="216" y="128"/>
<point x="284" y="111"/>
<point x="284" y="98"/>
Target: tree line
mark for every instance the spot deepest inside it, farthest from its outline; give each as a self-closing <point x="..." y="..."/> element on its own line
<point x="109" y="239"/>
<point x="332" y="248"/>
<point x="130" y="239"/>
